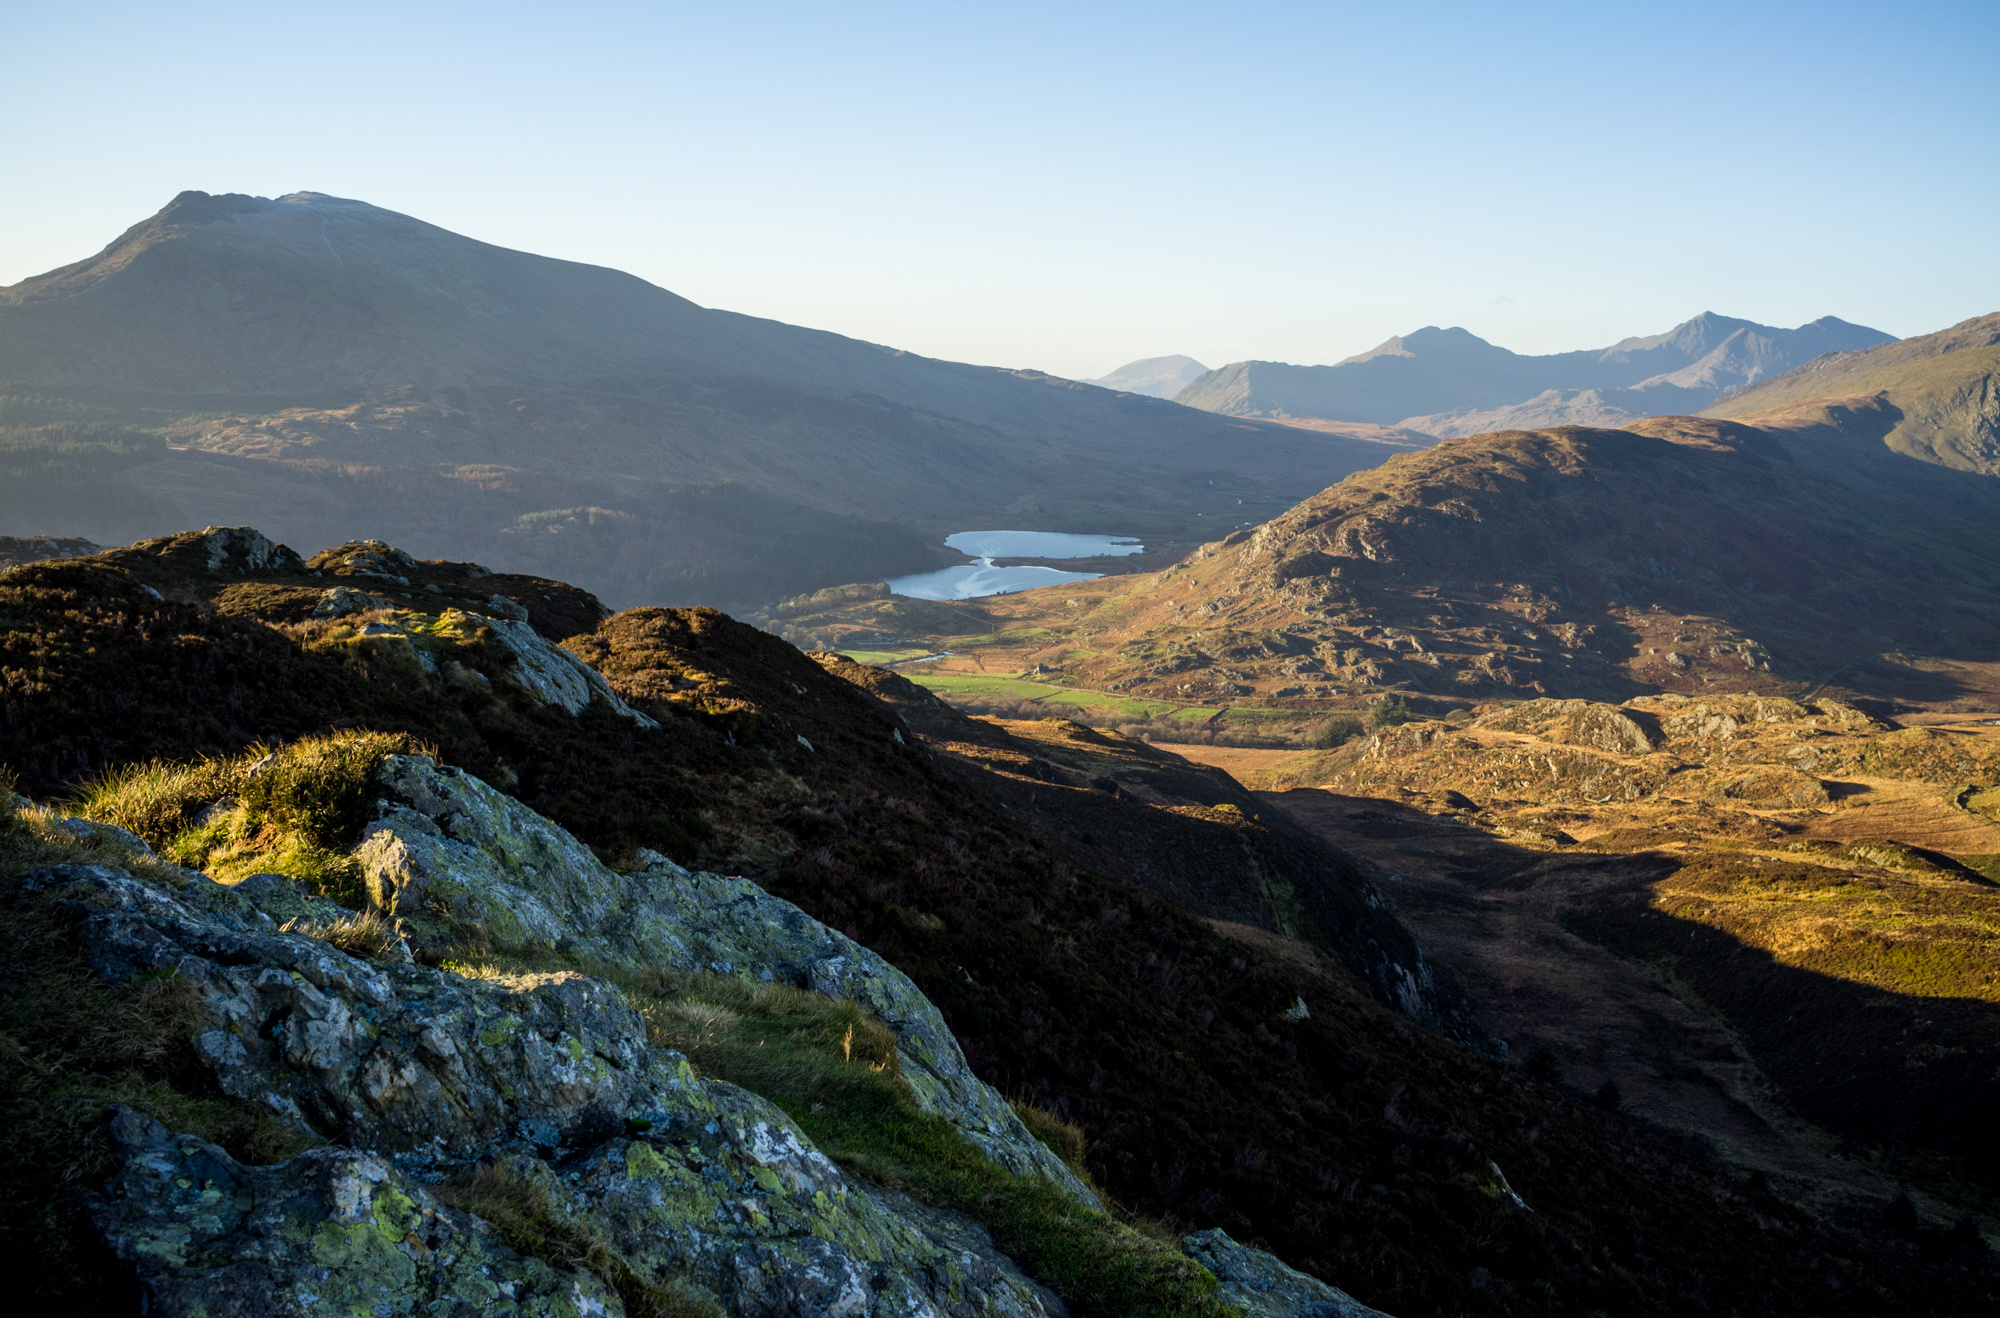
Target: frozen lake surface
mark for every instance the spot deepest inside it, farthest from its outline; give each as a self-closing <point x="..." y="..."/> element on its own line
<point x="982" y="578"/>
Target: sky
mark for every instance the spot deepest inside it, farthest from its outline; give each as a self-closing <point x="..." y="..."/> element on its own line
<point x="1070" y="187"/>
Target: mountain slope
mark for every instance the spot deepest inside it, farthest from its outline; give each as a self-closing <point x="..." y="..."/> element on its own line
<point x="1413" y="378"/>
<point x="1943" y="390"/>
<point x="1157" y="377"/>
<point x="1683" y="554"/>
<point x="1360" y="1145"/>
<point x="311" y="346"/>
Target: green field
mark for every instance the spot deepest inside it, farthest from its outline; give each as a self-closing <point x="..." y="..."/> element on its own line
<point x="885" y="656"/>
<point x="974" y="687"/>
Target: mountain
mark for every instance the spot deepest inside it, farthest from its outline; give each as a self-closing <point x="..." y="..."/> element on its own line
<point x="1679" y="554"/>
<point x="1449" y="382"/>
<point x="485" y="1039"/>
<point x="1939" y="394"/>
<point x="1157" y="377"/>
<point x="334" y="369"/>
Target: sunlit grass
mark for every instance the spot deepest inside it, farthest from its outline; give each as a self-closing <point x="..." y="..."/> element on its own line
<point x="833" y="1068"/>
<point x="1919" y="935"/>
<point x="290" y="810"/>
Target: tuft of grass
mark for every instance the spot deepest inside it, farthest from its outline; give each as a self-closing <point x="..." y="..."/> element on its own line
<point x="158" y="800"/>
<point x="71" y="1046"/>
<point x="317" y="789"/>
<point x="518" y="1205"/>
<point x="364" y="934"/>
<point x="1064" y="1138"/>
<point x="292" y="809"/>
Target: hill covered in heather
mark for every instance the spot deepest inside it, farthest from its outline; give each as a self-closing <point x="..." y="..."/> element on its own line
<point x="1679" y="554"/>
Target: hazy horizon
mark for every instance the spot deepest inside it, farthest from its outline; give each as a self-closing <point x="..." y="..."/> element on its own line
<point x="1074" y="190"/>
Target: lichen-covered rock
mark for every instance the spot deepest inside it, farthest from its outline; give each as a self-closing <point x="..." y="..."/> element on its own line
<point x="245" y="550"/>
<point x="416" y="1073"/>
<point x="330" y="1232"/>
<point x="1264" y="1286"/>
<point x="553" y="675"/>
<point x="341" y="601"/>
<point x="446" y="842"/>
<point x="365" y="558"/>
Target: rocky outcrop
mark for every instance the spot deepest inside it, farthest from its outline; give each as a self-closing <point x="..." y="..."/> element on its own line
<point x="411" y="1077"/>
<point x="332" y="1231"/>
<point x="245" y="550"/>
<point x="344" y="601"/>
<point x="1556" y="773"/>
<point x="16" y="550"/>
<point x="447" y="847"/>
<point x="1574" y="723"/>
<point x="554" y="676"/>
<point x="414" y="1072"/>
<point x="1261" y="1285"/>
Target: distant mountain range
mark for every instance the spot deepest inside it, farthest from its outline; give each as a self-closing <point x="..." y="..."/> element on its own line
<point x="327" y="369"/>
<point x="1157" y="377"/>
<point x="1448" y="382"/>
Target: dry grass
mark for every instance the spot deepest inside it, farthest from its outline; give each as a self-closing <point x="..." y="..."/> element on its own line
<point x="1922" y="935"/>
<point x="364" y="934"/>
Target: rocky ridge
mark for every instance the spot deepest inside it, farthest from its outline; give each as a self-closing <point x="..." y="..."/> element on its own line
<point x="417" y="1072"/>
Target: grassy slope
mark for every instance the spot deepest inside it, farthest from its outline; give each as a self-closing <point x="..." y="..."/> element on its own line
<point x="1355" y="1143"/>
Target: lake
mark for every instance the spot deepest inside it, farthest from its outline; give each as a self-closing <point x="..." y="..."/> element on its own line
<point x="973" y="580"/>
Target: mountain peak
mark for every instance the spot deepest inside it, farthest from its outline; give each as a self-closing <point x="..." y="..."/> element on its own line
<point x="1157" y="377"/>
<point x="1430" y="341"/>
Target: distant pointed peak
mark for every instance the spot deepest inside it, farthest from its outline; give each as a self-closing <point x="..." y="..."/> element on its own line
<point x="1430" y="339"/>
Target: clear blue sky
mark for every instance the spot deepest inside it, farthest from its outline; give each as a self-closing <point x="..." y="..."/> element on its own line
<point x="1072" y="186"/>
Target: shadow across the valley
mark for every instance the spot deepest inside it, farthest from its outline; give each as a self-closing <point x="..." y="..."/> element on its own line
<point x="1880" y="1069"/>
<point x="1565" y="952"/>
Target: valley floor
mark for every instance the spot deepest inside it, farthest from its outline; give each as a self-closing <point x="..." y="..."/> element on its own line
<point x="1512" y="895"/>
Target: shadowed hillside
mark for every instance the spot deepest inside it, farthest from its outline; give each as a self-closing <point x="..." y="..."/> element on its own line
<point x="314" y="362"/>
